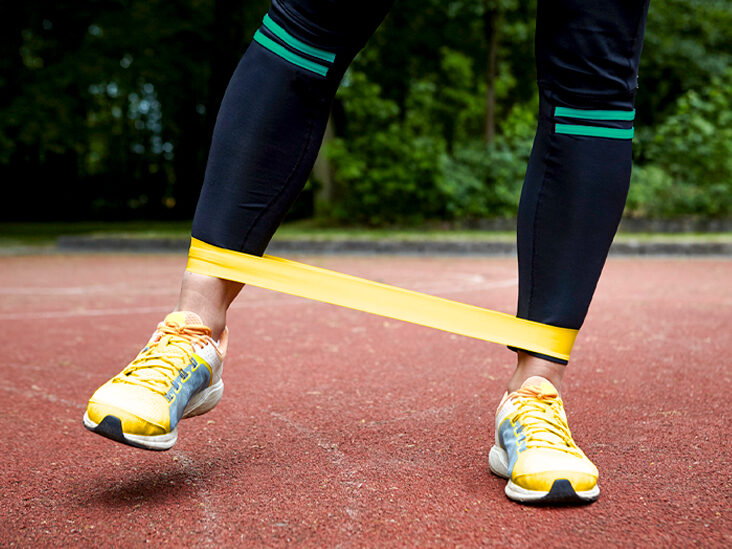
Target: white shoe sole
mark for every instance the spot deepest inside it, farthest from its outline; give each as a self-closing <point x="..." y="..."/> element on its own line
<point x="111" y="426"/>
<point x="204" y="401"/>
<point x="561" y="491"/>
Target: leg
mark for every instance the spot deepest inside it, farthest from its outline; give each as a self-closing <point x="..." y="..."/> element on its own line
<point x="267" y="135"/>
<point x="528" y="365"/>
<point x="208" y="297"/>
<point x="269" y="129"/>
<point x="572" y="200"/>
<point x="576" y="184"/>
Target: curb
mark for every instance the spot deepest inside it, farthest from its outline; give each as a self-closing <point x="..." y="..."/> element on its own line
<point x="396" y="247"/>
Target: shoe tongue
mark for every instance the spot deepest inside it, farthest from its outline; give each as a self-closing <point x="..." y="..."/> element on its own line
<point x="183" y="318"/>
<point x="541" y="387"/>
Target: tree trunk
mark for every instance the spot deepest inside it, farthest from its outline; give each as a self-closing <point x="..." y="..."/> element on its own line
<point x="491" y="17"/>
<point x="323" y="174"/>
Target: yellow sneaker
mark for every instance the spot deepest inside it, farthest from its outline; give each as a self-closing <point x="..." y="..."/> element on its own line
<point x="534" y="449"/>
<point x="176" y="375"/>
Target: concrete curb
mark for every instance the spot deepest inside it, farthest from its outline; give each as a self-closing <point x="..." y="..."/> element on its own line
<point x="397" y="247"/>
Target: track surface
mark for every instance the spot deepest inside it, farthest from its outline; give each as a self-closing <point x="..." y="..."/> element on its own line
<point x="339" y="428"/>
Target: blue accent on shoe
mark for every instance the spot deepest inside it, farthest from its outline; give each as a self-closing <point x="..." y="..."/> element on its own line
<point x="512" y="440"/>
<point x="191" y="380"/>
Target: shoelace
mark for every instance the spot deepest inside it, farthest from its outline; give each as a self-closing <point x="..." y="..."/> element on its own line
<point x="165" y="356"/>
<point x="544" y="426"/>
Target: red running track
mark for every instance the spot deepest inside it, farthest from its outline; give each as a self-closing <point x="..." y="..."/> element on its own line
<point x="339" y="428"/>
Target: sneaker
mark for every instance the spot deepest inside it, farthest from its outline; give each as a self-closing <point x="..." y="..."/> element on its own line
<point x="177" y="375"/>
<point x="534" y="449"/>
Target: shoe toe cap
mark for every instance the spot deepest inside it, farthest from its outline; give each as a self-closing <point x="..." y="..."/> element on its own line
<point x="540" y="470"/>
<point x="139" y="412"/>
<point x="543" y="481"/>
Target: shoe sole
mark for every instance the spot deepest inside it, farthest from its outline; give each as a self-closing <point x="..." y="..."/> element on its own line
<point x="204" y="401"/>
<point x="561" y="492"/>
<point x="111" y="426"/>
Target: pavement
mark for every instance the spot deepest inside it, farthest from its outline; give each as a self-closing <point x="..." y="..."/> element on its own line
<point x="342" y="429"/>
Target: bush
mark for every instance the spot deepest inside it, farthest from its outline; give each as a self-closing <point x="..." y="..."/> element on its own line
<point x="425" y="161"/>
<point x="484" y="180"/>
<point x="688" y="160"/>
<point x="386" y="172"/>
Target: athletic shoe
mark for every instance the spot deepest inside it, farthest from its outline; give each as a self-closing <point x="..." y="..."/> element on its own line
<point x="177" y="375"/>
<point x="534" y="449"/>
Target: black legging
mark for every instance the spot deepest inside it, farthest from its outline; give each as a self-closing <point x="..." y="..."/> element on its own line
<point x="271" y="122"/>
<point x="273" y="116"/>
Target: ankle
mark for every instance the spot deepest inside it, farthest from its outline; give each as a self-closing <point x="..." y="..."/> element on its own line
<point x="217" y="323"/>
<point x="209" y="298"/>
<point x="530" y="366"/>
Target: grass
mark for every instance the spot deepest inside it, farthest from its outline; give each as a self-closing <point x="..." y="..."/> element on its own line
<point x="45" y="234"/>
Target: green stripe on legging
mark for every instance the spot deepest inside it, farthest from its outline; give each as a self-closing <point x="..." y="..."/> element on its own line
<point x="594" y="131"/>
<point x="287" y="55"/>
<point x="290" y="40"/>
<point x="594" y="115"/>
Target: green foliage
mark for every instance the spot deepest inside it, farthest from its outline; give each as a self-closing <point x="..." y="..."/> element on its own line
<point x="388" y="171"/>
<point x="688" y="158"/>
<point x="687" y="43"/>
<point x="651" y="192"/>
<point x="484" y="180"/>
<point x="115" y="99"/>
<point x="107" y="108"/>
<point x="683" y="146"/>
<point x="427" y="160"/>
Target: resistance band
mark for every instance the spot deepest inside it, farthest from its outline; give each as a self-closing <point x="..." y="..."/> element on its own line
<point x="302" y="280"/>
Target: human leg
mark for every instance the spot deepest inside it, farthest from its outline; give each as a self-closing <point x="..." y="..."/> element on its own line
<point x="273" y="117"/>
<point x="529" y="365"/>
<point x="576" y="185"/>
<point x="267" y="135"/>
<point x="573" y="196"/>
<point x="210" y="297"/>
<point x="268" y="132"/>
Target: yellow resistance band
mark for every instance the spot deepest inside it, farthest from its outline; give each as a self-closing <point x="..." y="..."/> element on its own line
<point x="303" y="280"/>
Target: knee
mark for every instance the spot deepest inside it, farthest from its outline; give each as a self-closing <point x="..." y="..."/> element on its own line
<point x="589" y="52"/>
<point x="331" y="25"/>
